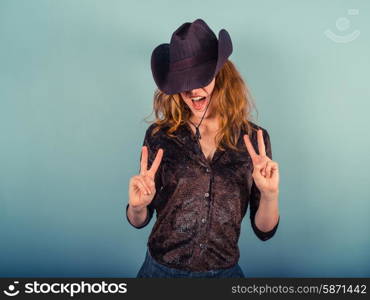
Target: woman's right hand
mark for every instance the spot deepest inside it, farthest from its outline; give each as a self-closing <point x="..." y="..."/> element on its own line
<point x="142" y="186"/>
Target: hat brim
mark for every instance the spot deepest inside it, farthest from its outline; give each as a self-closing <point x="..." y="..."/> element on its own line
<point x="173" y="82"/>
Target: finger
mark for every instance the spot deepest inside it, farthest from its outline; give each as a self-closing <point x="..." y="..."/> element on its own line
<point x="139" y="185"/>
<point x="257" y="173"/>
<point x="147" y="187"/>
<point x="249" y="146"/>
<point x="261" y="143"/>
<point x="263" y="171"/>
<point x="144" y="160"/>
<point x="150" y="183"/>
<point x="143" y="185"/>
<point x="268" y="169"/>
<point x="156" y="162"/>
<point x="275" y="169"/>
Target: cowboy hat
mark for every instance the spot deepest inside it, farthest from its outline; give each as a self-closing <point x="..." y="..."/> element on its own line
<point x="192" y="58"/>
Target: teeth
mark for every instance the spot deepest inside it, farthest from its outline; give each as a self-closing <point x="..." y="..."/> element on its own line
<point x="197" y="98"/>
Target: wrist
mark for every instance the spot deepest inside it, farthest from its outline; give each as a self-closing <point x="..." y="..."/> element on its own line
<point x="270" y="196"/>
<point x="137" y="209"/>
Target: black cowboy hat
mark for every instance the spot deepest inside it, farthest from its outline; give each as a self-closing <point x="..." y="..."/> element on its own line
<point x="192" y="59"/>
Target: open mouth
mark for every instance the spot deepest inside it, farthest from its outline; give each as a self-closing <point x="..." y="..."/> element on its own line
<point x="199" y="103"/>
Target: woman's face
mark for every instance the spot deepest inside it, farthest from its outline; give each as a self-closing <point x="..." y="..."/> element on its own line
<point x="198" y="107"/>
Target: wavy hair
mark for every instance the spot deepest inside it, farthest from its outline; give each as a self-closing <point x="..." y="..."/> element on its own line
<point x="233" y="107"/>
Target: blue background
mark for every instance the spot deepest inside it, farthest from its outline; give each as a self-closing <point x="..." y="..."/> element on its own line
<point x="76" y="85"/>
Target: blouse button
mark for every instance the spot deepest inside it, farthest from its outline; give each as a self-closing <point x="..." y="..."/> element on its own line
<point x="208" y="170"/>
<point x="203" y="220"/>
<point x="206" y="194"/>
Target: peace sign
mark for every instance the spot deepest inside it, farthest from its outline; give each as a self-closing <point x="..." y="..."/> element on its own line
<point x="265" y="171"/>
<point x="144" y="162"/>
<point x="142" y="186"/>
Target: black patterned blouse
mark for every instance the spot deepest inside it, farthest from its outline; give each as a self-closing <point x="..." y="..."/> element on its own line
<point x="200" y="204"/>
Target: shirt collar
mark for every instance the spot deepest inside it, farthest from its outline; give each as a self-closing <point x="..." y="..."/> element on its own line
<point x="186" y="137"/>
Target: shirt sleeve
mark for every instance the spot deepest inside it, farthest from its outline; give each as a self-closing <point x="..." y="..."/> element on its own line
<point x="152" y="151"/>
<point x="255" y="196"/>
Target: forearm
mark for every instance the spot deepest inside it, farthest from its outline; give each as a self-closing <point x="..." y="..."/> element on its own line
<point x="137" y="215"/>
<point x="267" y="214"/>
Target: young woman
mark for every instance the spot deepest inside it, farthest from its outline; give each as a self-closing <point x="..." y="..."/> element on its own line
<point x="200" y="167"/>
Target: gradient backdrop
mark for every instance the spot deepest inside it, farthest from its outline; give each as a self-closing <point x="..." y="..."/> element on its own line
<point x="76" y="85"/>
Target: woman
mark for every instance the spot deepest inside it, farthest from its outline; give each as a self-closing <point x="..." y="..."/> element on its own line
<point x="199" y="168"/>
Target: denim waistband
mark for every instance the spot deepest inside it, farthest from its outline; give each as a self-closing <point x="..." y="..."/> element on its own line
<point x="150" y="259"/>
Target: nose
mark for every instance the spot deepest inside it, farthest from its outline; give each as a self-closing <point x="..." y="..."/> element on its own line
<point x="191" y="92"/>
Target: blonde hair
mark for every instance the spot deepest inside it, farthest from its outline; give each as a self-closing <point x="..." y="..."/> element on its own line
<point x="233" y="107"/>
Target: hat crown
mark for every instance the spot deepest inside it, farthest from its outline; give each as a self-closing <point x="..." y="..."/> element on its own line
<point x="192" y="39"/>
<point x="192" y="59"/>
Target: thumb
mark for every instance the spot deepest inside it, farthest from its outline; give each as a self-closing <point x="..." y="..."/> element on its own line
<point x="258" y="172"/>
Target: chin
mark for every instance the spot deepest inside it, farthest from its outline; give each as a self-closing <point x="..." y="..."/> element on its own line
<point x="199" y="114"/>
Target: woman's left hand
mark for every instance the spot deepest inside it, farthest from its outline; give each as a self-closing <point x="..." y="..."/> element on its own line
<point x="265" y="170"/>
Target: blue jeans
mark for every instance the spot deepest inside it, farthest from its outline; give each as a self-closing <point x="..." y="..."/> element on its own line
<point x="151" y="268"/>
